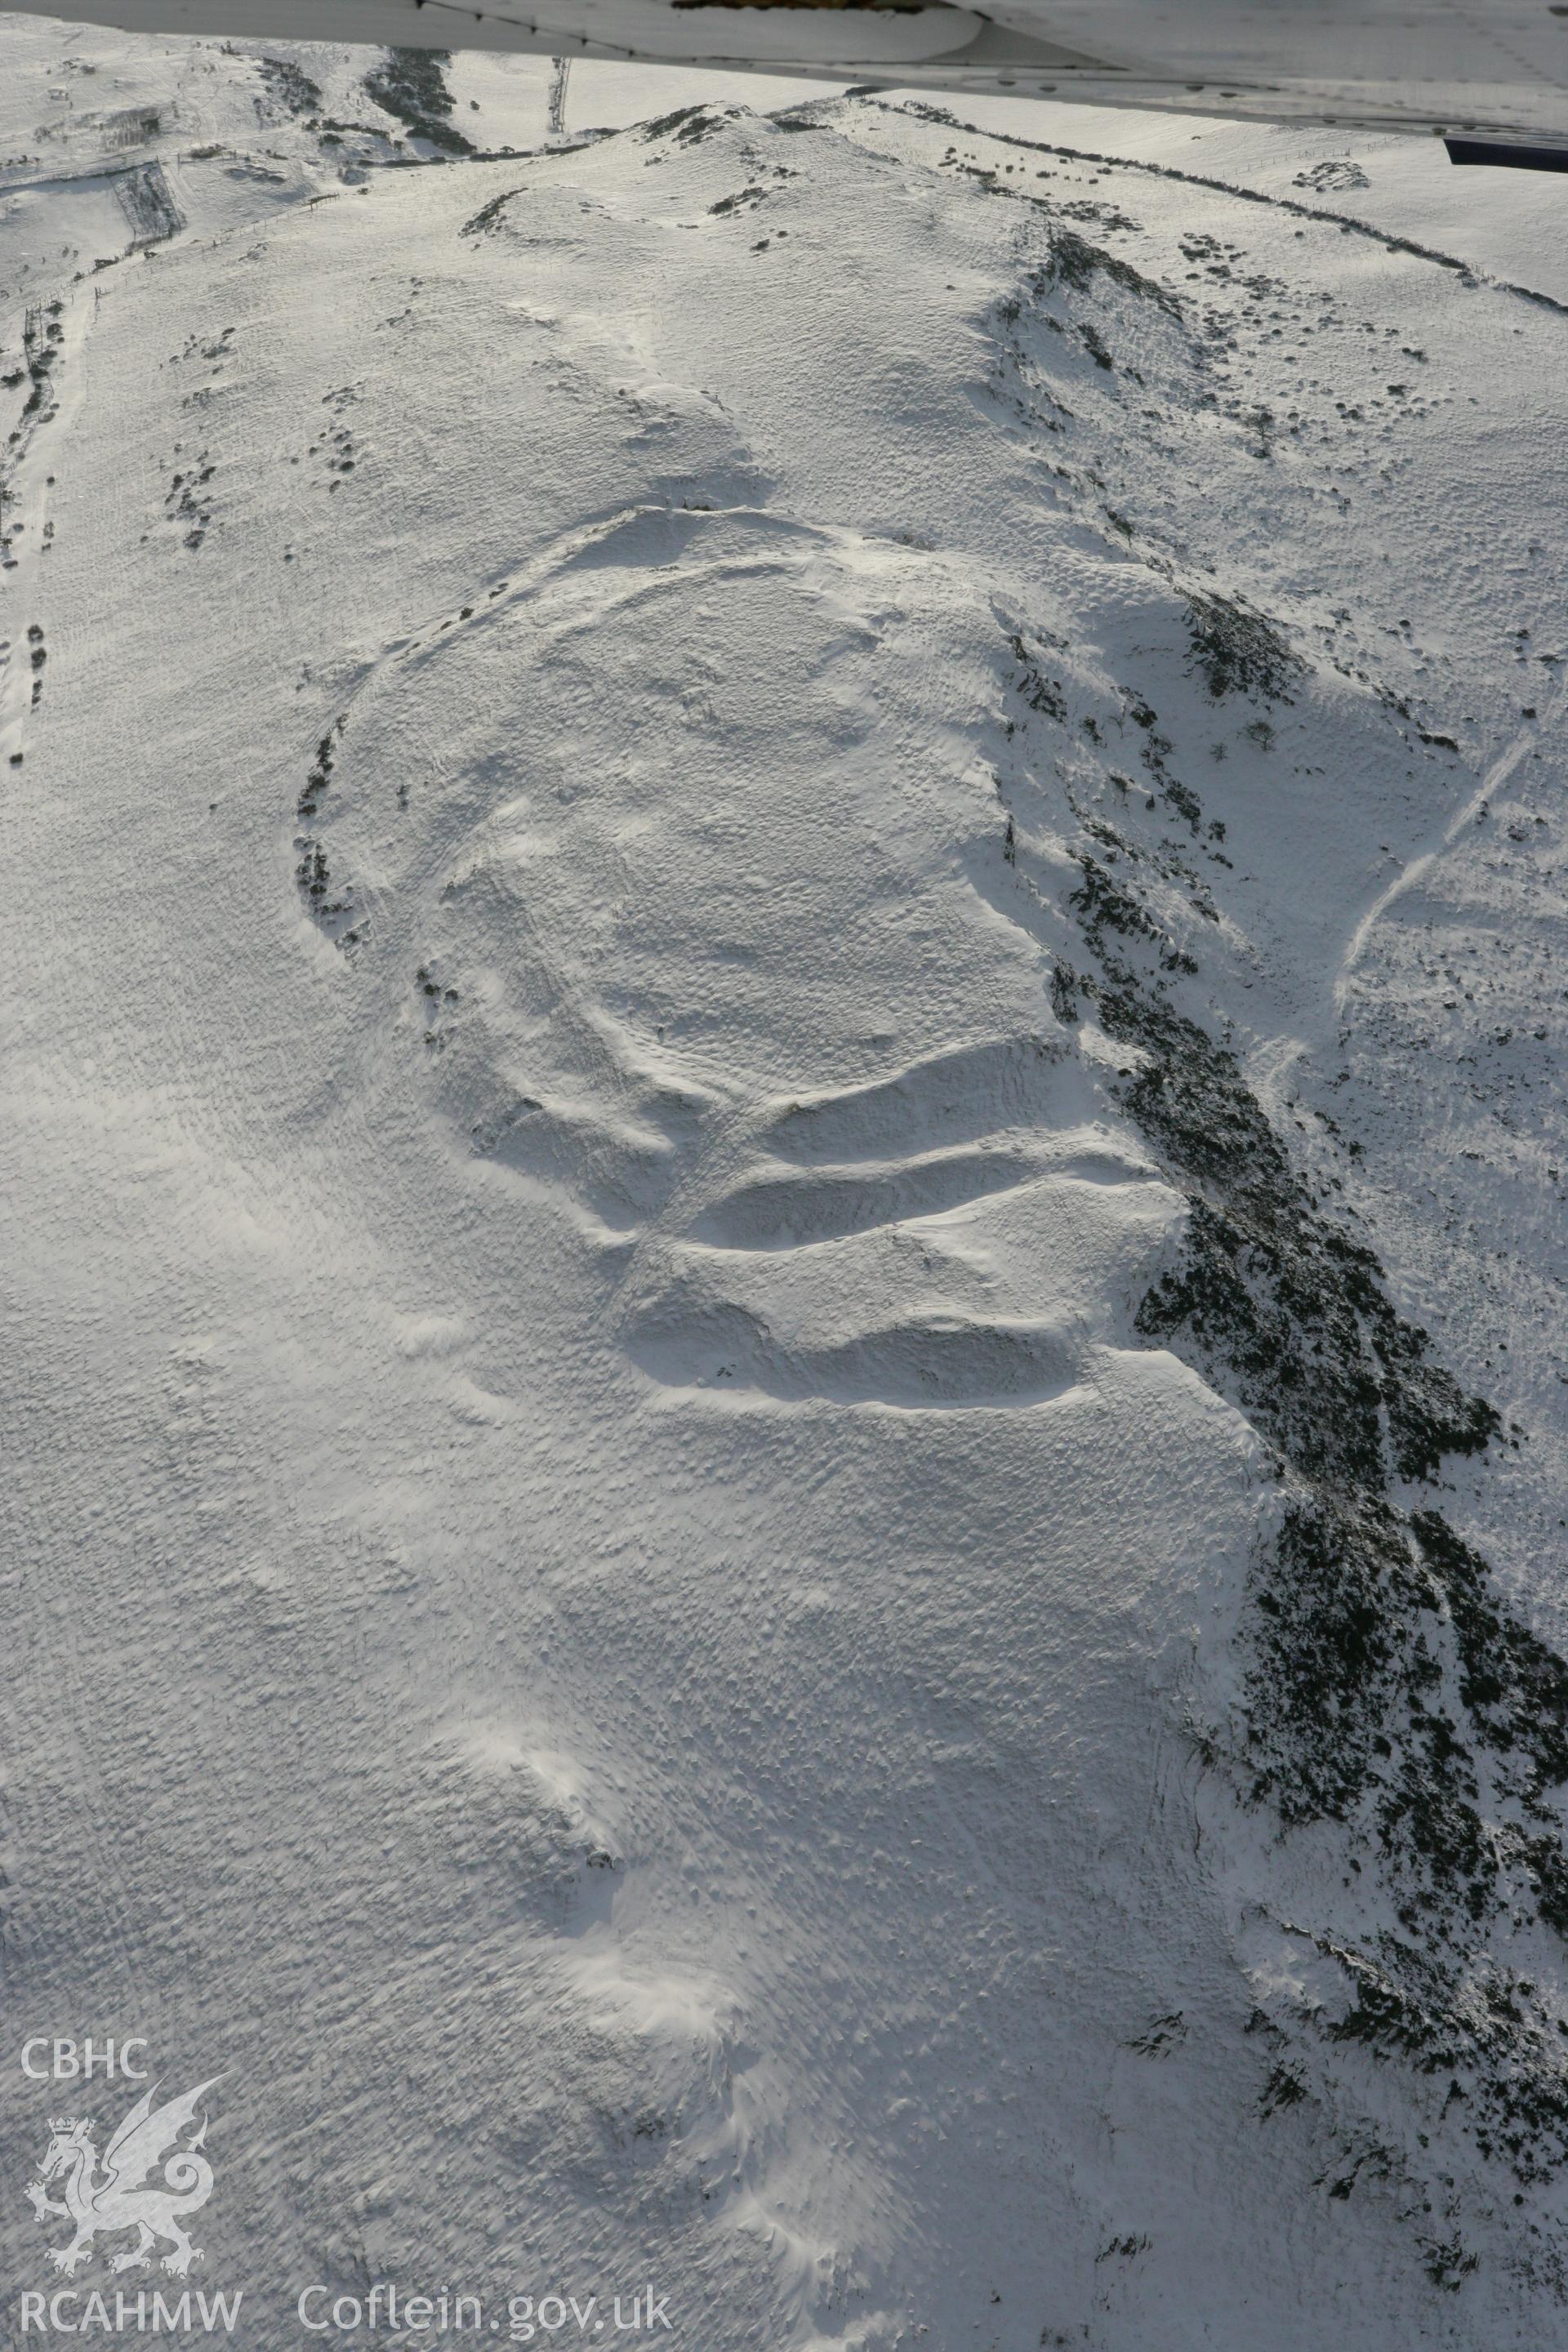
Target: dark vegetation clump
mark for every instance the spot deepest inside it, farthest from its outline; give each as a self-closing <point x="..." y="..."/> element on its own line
<point x="329" y="902"/>
<point x="42" y="335"/>
<point x="1509" y="1678"/>
<point x="291" y="85"/>
<point x="742" y="197"/>
<point x="490" y="217"/>
<point x="690" y="124"/>
<point x="1076" y="263"/>
<point x="1494" y="2038"/>
<point x="1041" y="693"/>
<point x="189" y="500"/>
<point x="1296" y="1308"/>
<point x="1236" y="651"/>
<point x="1386" y="1685"/>
<point x="315" y="876"/>
<point x="320" y="773"/>
<point x="411" y="85"/>
<point x="1353" y="1646"/>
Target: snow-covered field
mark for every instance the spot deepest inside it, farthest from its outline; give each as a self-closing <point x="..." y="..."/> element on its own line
<point x="784" y="1390"/>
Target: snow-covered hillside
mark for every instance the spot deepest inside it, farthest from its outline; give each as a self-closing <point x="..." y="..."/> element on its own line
<point x="782" y="1187"/>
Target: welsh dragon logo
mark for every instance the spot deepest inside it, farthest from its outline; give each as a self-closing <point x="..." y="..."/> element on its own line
<point x="147" y="2181"/>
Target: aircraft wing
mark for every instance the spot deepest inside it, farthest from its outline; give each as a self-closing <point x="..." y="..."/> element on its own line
<point x="1457" y="66"/>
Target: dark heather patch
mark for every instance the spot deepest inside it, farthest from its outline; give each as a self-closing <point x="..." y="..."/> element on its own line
<point x="291" y="85"/>
<point x="1077" y="263"/>
<point x="1386" y="1685"/>
<point x="1236" y="651"/>
<point x="688" y="124"/>
<point x="1041" y="693"/>
<point x="321" y="774"/>
<point x="411" y="85"/>
<point x="490" y="217"/>
<point x="1508" y="1675"/>
<point x="1497" y="2042"/>
<point x="330" y="904"/>
<point x="1295" y="1307"/>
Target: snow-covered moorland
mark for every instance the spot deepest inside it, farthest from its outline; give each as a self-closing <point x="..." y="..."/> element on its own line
<point x="782" y="1180"/>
